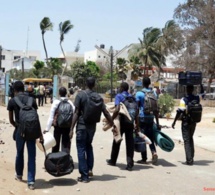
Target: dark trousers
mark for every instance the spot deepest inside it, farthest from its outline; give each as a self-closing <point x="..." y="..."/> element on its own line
<point x="188" y="130"/>
<point x="129" y="142"/>
<point x="40" y="100"/>
<point x="63" y="136"/>
<point x="84" y="139"/>
<point x="147" y="129"/>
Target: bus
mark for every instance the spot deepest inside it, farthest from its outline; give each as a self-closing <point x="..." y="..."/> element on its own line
<point x="36" y="81"/>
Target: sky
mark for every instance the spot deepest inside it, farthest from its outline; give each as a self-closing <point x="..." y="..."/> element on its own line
<point x="113" y="23"/>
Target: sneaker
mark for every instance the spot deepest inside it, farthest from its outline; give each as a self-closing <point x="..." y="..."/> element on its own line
<point x="129" y="167"/>
<point x="80" y="179"/>
<point x="109" y="162"/>
<point x="190" y="163"/>
<point x="31" y="186"/>
<point x="90" y="173"/>
<point x="154" y="158"/>
<point x="18" y="177"/>
<point x="142" y="162"/>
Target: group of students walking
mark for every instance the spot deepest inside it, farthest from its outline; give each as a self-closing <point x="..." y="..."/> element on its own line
<point x="80" y="116"/>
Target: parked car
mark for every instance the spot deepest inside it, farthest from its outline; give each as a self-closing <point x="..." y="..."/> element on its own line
<point x="108" y="93"/>
<point x="210" y="96"/>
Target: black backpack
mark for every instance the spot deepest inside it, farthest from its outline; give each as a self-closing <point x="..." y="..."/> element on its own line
<point x="194" y="111"/>
<point x="59" y="164"/>
<point x="64" y="114"/>
<point x="29" y="124"/>
<point x="93" y="107"/>
<point x="150" y="102"/>
<point x="132" y="107"/>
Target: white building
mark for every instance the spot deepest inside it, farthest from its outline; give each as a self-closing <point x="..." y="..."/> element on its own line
<point x="10" y="57"/>
<point x="72" y="57"/>
<point x="101" y="55"/>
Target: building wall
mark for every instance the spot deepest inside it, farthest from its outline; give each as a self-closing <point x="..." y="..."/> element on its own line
<point x="28" y="63"/>
<point x="8" y="56"/>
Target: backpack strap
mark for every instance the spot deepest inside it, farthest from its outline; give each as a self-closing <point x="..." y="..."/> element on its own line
<point x="18" y="102"/>
<point x="30" y="101"/>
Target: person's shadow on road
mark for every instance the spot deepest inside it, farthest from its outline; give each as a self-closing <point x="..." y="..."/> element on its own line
<point x="42" y="184"/>
<point x="106" y="177"/>
<point x="164" y="163"/>
<point x="201" y="162"/>
<point x="136" y="167"/>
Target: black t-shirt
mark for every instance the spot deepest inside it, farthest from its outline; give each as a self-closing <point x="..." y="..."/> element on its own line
<point x="12" y="106"/>
<point x="80" y="103"/>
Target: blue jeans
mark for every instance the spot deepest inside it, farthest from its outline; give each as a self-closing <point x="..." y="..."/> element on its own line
<point x="84" y="138"/>
<point x="31" y="148"/>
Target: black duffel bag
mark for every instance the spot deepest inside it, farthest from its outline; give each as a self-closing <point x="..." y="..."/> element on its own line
<point x="59" y="164"/>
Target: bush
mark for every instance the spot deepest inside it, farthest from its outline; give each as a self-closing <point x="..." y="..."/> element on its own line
<point x="166" y="104"/>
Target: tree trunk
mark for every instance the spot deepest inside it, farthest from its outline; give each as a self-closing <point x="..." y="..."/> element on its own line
<point x="64" y="58"/>
<point x="44" y="45"/>
<point x="23" y="76"/>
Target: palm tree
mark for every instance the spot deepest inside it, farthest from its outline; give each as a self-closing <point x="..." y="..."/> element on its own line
<point x="45" y="25"/>
<point x="64" y="28"/>
<point x="171" y="40"/>
<point x="148" y="52"/>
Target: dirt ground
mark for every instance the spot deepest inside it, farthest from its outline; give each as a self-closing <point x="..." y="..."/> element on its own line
<point x="45" y="184"/>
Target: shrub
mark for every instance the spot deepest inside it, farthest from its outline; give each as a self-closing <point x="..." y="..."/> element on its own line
<point x="166" y="104"/>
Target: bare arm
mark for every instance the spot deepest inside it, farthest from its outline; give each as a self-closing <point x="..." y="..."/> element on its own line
<point x="178" y="113"/>
<point x="74" y="120"/>
<point x="108" y="116"/>
<point x="116" y="112"/>
<point x="12" y="122"/>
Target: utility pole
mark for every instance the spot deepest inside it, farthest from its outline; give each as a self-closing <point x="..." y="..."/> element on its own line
<point x="111" y="73"/>
<point x="0" y="55"/>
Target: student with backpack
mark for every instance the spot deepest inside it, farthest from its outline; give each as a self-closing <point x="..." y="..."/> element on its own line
<point x="60" y="117"/>
<point x="89" y="106"/>
<point x="126" y="126"/>
<point x="27" y="130"/>
<point x="148" y="110"/>
<point x="190" y="111"/>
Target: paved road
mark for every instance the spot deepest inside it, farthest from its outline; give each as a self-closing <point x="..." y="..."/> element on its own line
<point x="169" y="176"/>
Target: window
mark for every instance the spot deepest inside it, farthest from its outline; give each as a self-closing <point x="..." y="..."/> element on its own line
<point x="104" y="56"/>
<point x="16" y="57"/>
<point x="99" y="56"/>
<point x="33" y="57"/>
<point x="3" y="57"/>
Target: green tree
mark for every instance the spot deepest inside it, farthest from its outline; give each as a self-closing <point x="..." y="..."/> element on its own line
<point x="121" y="68"/>
<point x="38" y="65"/>
<point x="93" y="69"/>
<point x="64" y="28"/>
<point x="55" y="66"/>
<point x="136" y="66"/>
<point x="45" y="25"/>
<point x="171" y="40"/>
<point x="197" y="20"/>
<point x="148" y="52"/>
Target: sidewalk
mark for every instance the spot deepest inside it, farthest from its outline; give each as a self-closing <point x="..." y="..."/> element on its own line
<point x="169" y="176"/>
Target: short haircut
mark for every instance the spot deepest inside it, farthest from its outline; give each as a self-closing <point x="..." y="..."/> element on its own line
<point x="62" y="92"/>
<point x="146" y="81"/>
<point x="124" y="86"/>
<point x="18" y="86"/>
<point x="90" y="82"/>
